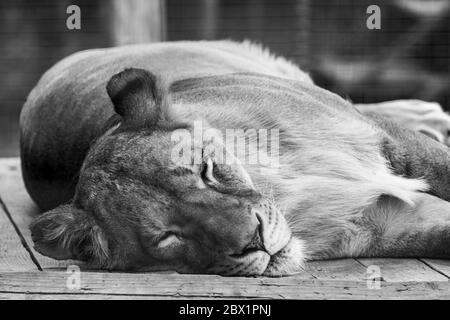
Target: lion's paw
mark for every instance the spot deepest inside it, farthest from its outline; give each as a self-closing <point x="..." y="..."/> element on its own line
<point x="425" y="117"/>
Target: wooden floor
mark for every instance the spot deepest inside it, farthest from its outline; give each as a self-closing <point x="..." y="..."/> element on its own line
<point x="25" y="274"/>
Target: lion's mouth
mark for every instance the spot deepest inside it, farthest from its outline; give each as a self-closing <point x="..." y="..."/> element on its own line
<point x="254" y="262"/>
<point x="246" y="252"/>
<point x="287" y="261"/>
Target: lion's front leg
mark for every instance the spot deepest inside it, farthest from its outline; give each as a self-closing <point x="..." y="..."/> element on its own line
<point x="388" y="228"/>
<point x="401" y="230"/>
<point x="425" y="117"/>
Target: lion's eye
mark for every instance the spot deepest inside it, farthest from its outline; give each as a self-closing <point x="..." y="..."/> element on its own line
<point x="208" y="172"/>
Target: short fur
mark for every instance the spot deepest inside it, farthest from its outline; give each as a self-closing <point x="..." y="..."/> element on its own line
<point x="96" y="134"/>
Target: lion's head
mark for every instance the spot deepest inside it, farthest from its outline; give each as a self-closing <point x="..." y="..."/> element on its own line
<point x="138" y="208"/>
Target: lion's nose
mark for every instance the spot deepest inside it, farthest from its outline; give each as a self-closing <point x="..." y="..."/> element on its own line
<point x="256" y="243"/>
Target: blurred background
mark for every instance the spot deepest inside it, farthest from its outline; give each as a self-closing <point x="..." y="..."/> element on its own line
<point x="407" y="58"/>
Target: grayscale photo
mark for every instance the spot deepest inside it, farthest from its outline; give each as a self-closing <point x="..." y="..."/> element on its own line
<point x="200" y="150"/>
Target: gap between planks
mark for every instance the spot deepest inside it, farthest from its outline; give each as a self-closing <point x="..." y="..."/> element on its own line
<point x="13" y="255"/>
<point x="13" y="226"/>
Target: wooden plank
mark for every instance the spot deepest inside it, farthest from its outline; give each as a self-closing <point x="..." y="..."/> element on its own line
<point x="442" y="266"/>
<point x="13" y="255"/>
<point x="342" y="269"/>
<point x="22" y="208"/>
<point x="208" y="286"/>
<point x="305" y="274"/>
<point x="404" y="270"/>
<point x="85" y="296"/>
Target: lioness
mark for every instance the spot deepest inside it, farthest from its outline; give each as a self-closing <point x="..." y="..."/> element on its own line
<point x="97" y="140"/>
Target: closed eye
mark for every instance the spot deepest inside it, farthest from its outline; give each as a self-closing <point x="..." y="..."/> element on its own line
<point x="169" y="238"/>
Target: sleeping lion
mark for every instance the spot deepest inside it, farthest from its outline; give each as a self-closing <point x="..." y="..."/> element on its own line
<point x="98" y="134"/>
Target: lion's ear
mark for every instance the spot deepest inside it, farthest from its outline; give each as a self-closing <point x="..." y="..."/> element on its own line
<point x="69" y="233"/>
<point x="138" y="96"/>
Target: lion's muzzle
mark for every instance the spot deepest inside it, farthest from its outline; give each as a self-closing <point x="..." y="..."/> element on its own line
<point x="272" y="235"/>
<point x="274" y="230"/>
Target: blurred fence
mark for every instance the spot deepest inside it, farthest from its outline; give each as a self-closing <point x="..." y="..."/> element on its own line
<point x="407" y="58"/>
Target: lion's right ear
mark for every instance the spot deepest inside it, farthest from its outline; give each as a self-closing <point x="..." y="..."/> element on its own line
<point x="138" y="96"/>
<point x="69" y="233"/>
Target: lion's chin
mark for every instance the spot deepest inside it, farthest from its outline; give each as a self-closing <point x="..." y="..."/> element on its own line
<point x="287" y="261"/>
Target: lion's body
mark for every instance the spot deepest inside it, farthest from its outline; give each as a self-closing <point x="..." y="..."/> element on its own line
<point x="336" y="165"/>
